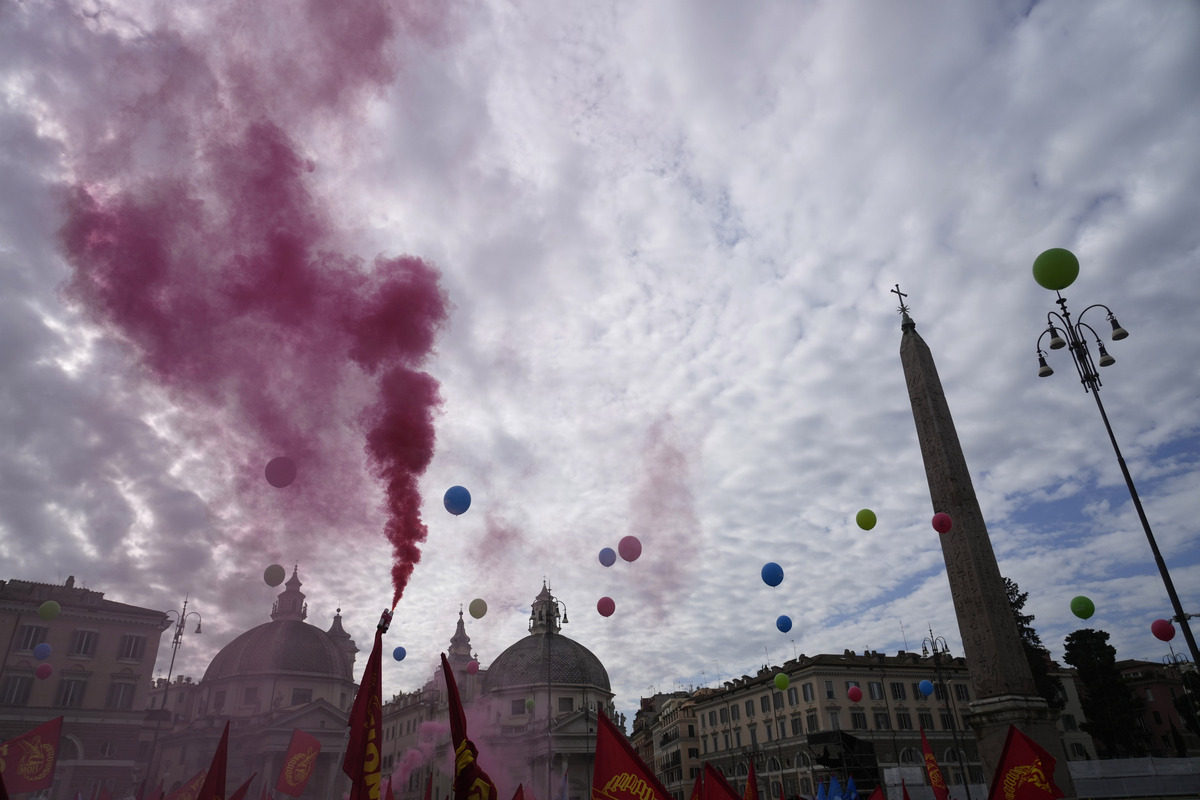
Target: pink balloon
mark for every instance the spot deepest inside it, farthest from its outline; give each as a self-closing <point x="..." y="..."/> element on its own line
<point x="630" y="548"/>
<point x="280" y="472"/>
<point x="44" y="671"/>
<point x="606" y="606"/>
<point x="854" y="693"/>
<point x="472" y="667"/>
<point x="942" y="522"/>
<point x="1163" y="629"/>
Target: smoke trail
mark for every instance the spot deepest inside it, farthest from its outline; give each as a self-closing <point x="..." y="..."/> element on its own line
<point x="195" y="237"/>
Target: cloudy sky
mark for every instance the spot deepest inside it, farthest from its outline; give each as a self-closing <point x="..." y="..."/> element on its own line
<point x="618" y="268"/>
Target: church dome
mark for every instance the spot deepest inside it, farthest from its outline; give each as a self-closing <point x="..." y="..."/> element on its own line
<point x="545" y="655"/>
<point x="542" y="658"/>
<point x="287" y="644"/>
<point x="280" y="646"/>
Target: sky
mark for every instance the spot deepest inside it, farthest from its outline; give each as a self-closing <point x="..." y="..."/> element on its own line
<point x="617" y="268"/>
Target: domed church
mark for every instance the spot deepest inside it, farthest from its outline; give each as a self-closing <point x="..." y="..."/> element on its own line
<point x="280" y="675"/>
<point x="532" y="713"/>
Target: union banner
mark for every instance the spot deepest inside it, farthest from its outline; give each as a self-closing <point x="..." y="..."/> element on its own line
<point x="27" y="762"/>
<point x="936" y="781"/>
<point x="619" y="774"/>
<point x="298" y="763"/>
<point x="1026" y="771"/>
<point x="190" y="789"/>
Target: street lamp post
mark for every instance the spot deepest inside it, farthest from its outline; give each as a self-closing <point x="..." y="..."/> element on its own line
<point x="1058" y="269"/>
<point x="181" y="618"/>
<point x="1179" y="664"/>
<point x="938" y="645"/>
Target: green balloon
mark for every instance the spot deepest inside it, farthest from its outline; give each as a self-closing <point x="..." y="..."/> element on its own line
<point x="49" y="609"/>
<point x="781" y="682"/>
<point x="1055" y="269"/>
<point x="478" y="608"/>
<point x="865" y="519"/>
<point x="1082" y="607"/>
<point x="529" y="705"/>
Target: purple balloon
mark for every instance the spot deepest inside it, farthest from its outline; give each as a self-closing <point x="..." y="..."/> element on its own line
<point x="608" y="556"/>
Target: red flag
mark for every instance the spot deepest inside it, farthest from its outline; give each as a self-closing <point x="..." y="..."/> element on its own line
<point x="519" y="794"/>
<point x="240" y="792"/>
<point x="3" y="791"/>
<point x="751" y="790"/>
<point x="387" y="792"/>
<point x="781" y="797"/>
<point x="1026" y="771"/>
<point x="877" y="794"/>
<point x="264" y="794"/>
<point x="618" y="773"/>
<point x="298" y="763"/>
<point x="715" y="785"/>
<point x="105" y="794"/>
<point x="189" y="790"/>
<point x="28" y="761"/>
<point x="940" y="792"/>
<point x="214" y="781"/>
<point x="160" y="791"/>
<point x="470" y="781"/>
<point x="428" y="787"/>
<point x="698" y="787"/>
<point x="362" y="759"/>
<point x="904" y="790"/>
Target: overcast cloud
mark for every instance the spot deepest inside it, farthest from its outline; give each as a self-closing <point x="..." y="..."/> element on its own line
<point x="666" y="233"/>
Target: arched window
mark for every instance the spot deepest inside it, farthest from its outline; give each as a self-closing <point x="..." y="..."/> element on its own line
<point x="773" y="764"/>
<point x="741" y="770"/>
<point x="909" y="756"/>
<point x="804" y="761"/>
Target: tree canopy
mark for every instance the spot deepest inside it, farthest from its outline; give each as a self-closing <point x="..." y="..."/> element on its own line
<point x="1109" y="703"/>
<point x="1048" y="687"/>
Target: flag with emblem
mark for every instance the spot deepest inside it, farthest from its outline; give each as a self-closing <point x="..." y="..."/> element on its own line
<point x="698" y="788"/>
<point x="298" y="763"/>
<point x="751" y="791"/>
<point x="936" y="781"/>
<point x="618" y="773"/>
<point x="715" y="785"/>
<point x="1026" y="771"/>
<point x="213" y="787"/>
<point x="28" y="761"/>
<point x="190" y="789"/>
<point x="363" y="760"/>
<point x="470" y="781"/>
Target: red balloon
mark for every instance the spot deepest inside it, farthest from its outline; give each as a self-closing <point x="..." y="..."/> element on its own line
<point x="1162" y="629"/>
<point x="854" y="693"/>
<point x="280" y="472"/>
<point x="942" y="522"/>
<point x="606" y="606"/>
<point x="44" y="671"/>
<point x="472" y="667"/>
<point x="629" y="548"/>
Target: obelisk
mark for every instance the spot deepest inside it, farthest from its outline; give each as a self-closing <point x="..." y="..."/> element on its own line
<point x="1004" y="691"/>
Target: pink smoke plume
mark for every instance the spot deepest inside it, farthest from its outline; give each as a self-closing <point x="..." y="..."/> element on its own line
<point x="195" y="236"/>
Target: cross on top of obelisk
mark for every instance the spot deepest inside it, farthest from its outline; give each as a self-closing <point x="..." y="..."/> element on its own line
<point x="906" y="321"/>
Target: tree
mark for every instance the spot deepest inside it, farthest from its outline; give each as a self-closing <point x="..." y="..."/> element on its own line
<point x="1049" y="687"/>
<point x="1110" y="705"/>
<point x="1188" y="703"/>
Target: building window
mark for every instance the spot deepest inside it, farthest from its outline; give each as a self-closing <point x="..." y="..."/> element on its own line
<point x="218" y="700"/>
<point x="809" y="694"/>
<point x="301" y="697"/>
<point x="797" y="727"/>
<point x="517" y="707"/>
<point x="926" y="720"/>
<point x="777" y="698"/>
<point x="835" y="721"/>
<point x="904" y="721"/>
<point x="704" y="744"/>
<point x="735" y="713"/>
<point x="724" y="716"/>
<point x="939" y="691"/>
<point x="1157" y="718"/>
<point x="917" y="693"/>
<point x="693" y="752"/>
<point x="1078" y="750"/>
<point x="712" y="718"/>
<point x="120" y="696"/>
<point x="737" y="737"/>
<point x="83" y="643"/>
<point x="1149" y="695"/>
<point x="715" y="743"/>
<point x="250" y="695"/>
<point x="14" y="691"/>
<point x="793" y="696"/>
<point x="909" y="756"/>
<point x="898" y="692"/>
<point x="31" y="636"/>
<point x="947" y="721"/>
<point x="764" y="703"/>
<point x="70" y="693"/>
<point x="726" y="737"/>
<point x="768" y="726"/>
<point x="858" y="720"/>
<point x="814" y="723"/>
<point x="882" y="721"/>
<point x="691" y="731"/>
<point x="108" y="749"/>
<point x="132" y="647"/>
<point x="876" y="689"/>
<point x="749" y="708"/>
<point x="961" y="693"/>
<point x="829" y="693"/>
<point x="850" y="684"/>
<point x="1069" y="723"/>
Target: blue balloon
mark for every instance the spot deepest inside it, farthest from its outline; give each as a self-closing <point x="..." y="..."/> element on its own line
<point x="457" y="500"/>
<point x="784" y="623"/>
<point x="608" y="556"/>
<point x="772" y="574"/>
<point x="42" y="651"/>
<point x="399" y="653"/>
<point x="926" y="687"/>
